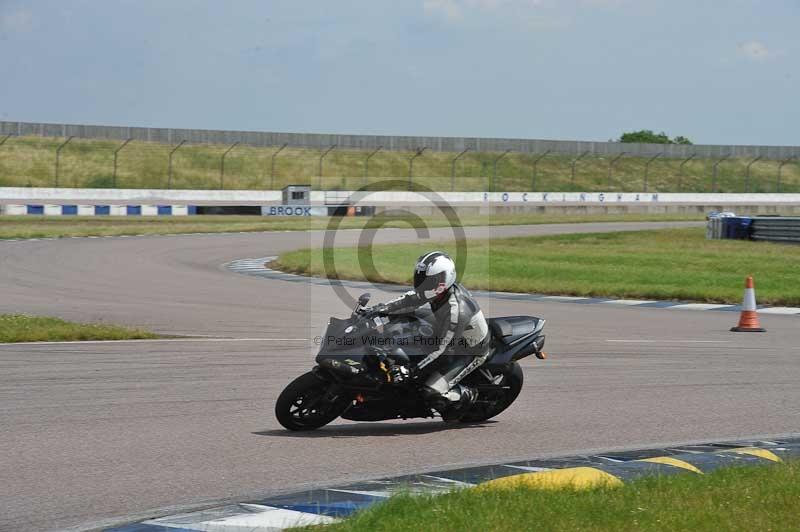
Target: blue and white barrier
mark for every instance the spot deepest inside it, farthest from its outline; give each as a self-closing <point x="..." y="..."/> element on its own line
<point x="97" y="210"/>
<point x="46" y="209"/>
<point x="39" y="209"/>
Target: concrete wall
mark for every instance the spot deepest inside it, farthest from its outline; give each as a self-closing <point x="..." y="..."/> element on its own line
<point x="388" y="198"/>
<point x="84" y="201"/>
<point x="555" y="198"/>
<point x="122" y="195"/>
<point x="404" y="143"/>
<point x="594" y="209"/>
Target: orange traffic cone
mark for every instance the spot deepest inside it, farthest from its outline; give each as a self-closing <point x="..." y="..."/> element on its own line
<point x="748" y="319"/>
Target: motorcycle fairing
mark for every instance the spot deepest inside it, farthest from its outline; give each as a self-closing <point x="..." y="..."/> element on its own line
<point x="399" y="332"/>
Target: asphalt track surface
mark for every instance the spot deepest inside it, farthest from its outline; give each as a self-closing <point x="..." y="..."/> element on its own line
<point x="99" y="433"/>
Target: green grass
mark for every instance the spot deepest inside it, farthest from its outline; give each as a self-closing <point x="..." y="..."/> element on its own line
<point x="51" y="227"/>
<point x="22" y="328"/>
<point x="30" y="161"/>
<point x="759" y="498"/>
<point x="673" y="264"/>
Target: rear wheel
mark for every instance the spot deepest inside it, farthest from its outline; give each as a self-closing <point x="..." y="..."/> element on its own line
<point x="491" y="403"/>
<point x="307" y="403"/>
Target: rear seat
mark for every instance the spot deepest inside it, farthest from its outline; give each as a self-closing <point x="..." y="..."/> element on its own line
<point x="510" y="329"/>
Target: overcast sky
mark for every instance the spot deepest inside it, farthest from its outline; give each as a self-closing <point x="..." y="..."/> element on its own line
<point x="716" y="71"/>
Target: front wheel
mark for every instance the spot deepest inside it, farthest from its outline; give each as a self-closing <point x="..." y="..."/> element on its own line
<point x="307" y="403"/>
<point x="492" y="403"/>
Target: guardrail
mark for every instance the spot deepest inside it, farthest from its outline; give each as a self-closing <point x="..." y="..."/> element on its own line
<point x="768" y="228"/>
<point x="776" y="229"/>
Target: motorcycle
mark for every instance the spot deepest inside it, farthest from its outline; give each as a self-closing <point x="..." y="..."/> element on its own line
<point x="352" y="378"/>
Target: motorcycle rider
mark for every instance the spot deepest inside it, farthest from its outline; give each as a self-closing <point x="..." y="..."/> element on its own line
<point x="460" y="329"/>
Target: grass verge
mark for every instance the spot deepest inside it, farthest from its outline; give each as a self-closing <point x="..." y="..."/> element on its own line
<point x="670" y="264"/>
<point x="729" y="499"/>
<point x="54" y="227"/>
<point x="21" y="328"/>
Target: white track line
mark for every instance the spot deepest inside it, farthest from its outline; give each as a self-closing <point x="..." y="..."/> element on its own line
<point x="564" y="298"/>
<point x="788" y="311"/>
<point x="631" y="302"/>
<point x="159" y="340"/>
<point x="698" y="306"/>
<point x="669" y="341"/>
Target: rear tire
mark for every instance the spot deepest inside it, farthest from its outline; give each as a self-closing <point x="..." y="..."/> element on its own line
<point x="303" y="404"/>
<point x="513" y="378"/>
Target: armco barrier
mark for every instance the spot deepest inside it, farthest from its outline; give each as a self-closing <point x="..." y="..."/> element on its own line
<point x="766" y="228"/>
<point x="776" y="229"/>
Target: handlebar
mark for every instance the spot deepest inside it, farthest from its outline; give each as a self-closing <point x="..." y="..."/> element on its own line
<point x="365" y="318"/>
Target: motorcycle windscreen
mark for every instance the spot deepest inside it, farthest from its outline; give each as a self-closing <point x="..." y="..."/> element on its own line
<point x="337" y="343"/>
<point x="337" y="327"/>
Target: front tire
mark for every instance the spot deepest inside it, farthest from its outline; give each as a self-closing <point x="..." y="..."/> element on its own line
<point x="513" y="378"/>
<point x="307" y="404"/>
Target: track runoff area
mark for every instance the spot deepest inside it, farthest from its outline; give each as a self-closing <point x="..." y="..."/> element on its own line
<point x="612" y="469"/>
<point x="130" y="431"/>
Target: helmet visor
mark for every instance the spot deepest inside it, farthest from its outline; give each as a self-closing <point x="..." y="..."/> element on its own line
<point x="427" y="286"/>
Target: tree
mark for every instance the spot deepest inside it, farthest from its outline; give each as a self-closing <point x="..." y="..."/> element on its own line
<point x="647" y="136"/>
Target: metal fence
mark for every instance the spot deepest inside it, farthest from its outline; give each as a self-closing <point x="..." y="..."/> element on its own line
<point x="40" y="155"/>
<point x="394" y="143"/>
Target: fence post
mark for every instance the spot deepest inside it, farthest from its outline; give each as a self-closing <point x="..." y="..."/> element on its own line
<point x="321" y="157"/>
<point x="169" y="178"/>
<point x="647" y="168"/>
<point x="222" y="166"/>
<point x="366" y="163"/>
<point x="574" y="162"/>
<point x="714" y="174"/>
<point x="611" y="164"/>
<point x="494" y="169"/>
<point x="114" y="176"/>
<point x="272" y="167"/>
<point x="747" y="173"/>
<point x="58" y="156"/>
<point x="3" y="142"/>
<point x="453" y="169"/>
<point x="680" y="171"/>
<point x="780" y="170"/>
<point x="411" y="164"/>
<point x="535" y="169"/>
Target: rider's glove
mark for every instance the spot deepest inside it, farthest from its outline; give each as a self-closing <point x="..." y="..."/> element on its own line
<point x="399" y="374"/>
<point x="376" y="310"/>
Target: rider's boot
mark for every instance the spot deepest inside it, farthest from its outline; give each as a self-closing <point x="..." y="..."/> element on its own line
<point x="455" y="403"/>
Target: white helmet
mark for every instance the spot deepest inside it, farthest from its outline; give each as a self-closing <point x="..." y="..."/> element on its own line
<point x="434" y="273"/>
